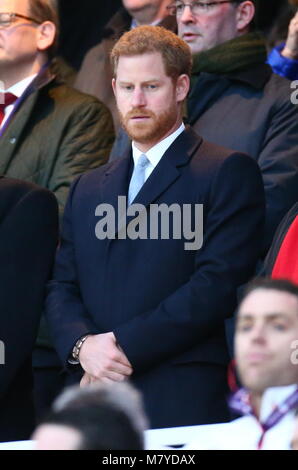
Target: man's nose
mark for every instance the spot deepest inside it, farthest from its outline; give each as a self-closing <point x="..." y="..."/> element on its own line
<point x="187" y="15"/>
<point x="258" y="334"/>
<point x="138" y="98"/>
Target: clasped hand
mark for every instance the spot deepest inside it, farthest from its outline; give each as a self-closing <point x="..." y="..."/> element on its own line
<point x="103" y="360"/>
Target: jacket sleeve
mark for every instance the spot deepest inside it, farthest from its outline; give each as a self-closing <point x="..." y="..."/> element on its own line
<point x="279" y="163"/>
<point x="65" y="312"/>
<point x="281" y="65"/>
<point x="233" y="231"/>
<point x="85" y="145"/>
<point x="29" y="235"/>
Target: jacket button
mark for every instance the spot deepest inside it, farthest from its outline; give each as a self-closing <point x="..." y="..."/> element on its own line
<point x="12" y="140"/>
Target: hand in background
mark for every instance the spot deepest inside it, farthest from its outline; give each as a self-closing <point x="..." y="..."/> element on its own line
<point x="291" y="47"/>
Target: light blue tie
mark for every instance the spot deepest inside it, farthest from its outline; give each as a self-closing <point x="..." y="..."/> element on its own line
<point x="138" y="177"/>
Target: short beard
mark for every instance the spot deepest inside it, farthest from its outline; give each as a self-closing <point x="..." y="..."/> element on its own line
<point x="149" y="132"/>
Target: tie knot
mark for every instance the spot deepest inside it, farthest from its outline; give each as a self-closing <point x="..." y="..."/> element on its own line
<point x="7" y="99"/>
<point x="143" y="161"/>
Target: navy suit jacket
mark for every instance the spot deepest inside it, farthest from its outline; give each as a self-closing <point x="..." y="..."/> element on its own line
<point x="165" y="305"/>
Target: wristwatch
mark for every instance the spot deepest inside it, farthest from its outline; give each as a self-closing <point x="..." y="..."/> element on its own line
<point x="77" y="348"/>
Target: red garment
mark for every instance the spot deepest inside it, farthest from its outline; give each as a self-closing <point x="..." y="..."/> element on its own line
<point x="232" y="376"/>
<point x="9" y="98"/>
<point x="286" y="264"/>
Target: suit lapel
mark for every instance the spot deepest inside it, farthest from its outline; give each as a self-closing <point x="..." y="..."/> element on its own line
<point x="115" y="184"/>
<point x="13" y="133"/>
<point x="116" y="179"/>
<point x="168" y="169"/>
<point x="11" y="136"/>
<point x="163" y="176"/>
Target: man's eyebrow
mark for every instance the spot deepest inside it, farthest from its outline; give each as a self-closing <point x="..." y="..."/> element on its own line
<point x="151" y="80"/>
<point x="270" y="316"/>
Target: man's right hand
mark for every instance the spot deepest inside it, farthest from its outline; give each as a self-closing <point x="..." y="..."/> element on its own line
<point x="101" y="358"/>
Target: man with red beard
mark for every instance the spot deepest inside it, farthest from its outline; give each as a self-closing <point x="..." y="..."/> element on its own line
<point x="142" y="304"/>
<point x="95" y="74"/>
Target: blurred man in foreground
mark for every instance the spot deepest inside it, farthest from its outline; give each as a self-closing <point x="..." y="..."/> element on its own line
<point x="266" y="352"/>
<point x="99" y="417"/>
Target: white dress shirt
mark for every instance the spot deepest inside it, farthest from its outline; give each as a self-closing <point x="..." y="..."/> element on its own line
<point x="17" y="89"/>
<point x="135" y="24"/>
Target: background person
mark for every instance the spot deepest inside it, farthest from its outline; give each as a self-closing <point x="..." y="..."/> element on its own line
<point x="266" y="334"/>
<point x="99" y="417"/>
<point x="283" y="58"/>
<point x="28" y="240"/>
<point x="49" y="132"/>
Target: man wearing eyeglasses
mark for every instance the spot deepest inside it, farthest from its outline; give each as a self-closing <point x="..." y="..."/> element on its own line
<point x="49" y="133"/>
<point x="205" y="24"/>
<point x="236" y="101"/>
<point x="95" y="74"/>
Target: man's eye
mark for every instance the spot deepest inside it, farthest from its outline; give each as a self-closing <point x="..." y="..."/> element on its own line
<point x="244" y="327"/>
<point x="179" y="7"/>
<point x="279" y="326"/>
<point x="151" y="87"/>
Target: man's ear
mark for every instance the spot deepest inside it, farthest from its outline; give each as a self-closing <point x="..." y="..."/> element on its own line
<point x="182" y="87"/>
<point x="46" y="35"/>
<point x="245" y="13"/>
<point x="114" y="85"/>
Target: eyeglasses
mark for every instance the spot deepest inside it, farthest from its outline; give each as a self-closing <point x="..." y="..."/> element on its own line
<point x="7" y="19"/>
<point x="197" y="8"/>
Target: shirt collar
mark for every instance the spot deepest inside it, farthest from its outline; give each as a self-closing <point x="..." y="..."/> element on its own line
<point x="272" y="397"/>
<point x="157" y="151"/>
<point x="18" y="88"/>
<point x="275" y="396"/>
<point x="134" y="23"/>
